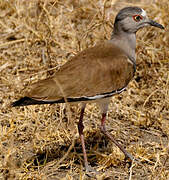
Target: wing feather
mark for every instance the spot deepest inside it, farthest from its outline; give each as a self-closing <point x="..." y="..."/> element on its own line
<point x="97" y="70"/>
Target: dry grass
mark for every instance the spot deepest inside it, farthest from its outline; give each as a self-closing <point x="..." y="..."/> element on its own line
<point x="41" y="142"/>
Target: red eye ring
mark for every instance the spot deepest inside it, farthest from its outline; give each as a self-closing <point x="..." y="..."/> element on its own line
<point x="137" y="17"/>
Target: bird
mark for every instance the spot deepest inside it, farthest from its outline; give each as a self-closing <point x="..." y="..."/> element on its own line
<point x="95" y="74"/>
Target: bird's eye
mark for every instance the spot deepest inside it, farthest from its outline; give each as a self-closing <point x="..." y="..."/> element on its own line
<point x="137" y="18"/>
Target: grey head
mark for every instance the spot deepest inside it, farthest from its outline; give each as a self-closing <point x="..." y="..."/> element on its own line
<point x="131" y="19"/>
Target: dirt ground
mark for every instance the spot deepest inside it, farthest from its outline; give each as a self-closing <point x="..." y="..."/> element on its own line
<point x="41" y="142"/>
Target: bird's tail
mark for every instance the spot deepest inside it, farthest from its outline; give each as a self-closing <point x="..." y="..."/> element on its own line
<point x="25" y="101"/>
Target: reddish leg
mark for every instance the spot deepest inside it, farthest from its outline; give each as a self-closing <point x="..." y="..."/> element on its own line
<point x="105" y="132"/>
<point x="80" y="129"/>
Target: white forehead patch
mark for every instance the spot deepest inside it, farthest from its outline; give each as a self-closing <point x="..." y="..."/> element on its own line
<point x="143" y="13"/>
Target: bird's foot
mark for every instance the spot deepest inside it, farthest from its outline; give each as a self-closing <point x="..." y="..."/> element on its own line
<point x="128" y="156"/>
<point x="131" y="158"/>
<point x="91" y="172"/>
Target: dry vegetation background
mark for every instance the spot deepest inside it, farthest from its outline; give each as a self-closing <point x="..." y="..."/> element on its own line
<point x="41" y="142"/>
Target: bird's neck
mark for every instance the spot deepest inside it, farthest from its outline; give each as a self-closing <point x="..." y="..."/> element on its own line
<point x="125" y="41"/>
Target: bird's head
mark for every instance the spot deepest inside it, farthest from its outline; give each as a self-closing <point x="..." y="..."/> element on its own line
<point x="131" y="19"/>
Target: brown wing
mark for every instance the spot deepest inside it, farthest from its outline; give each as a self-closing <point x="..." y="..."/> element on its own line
<point x="94" y="71"/>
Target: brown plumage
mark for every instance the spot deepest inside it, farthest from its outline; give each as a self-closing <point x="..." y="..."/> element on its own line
<point x="95" y="73"/>
<point x="97" y="70"/>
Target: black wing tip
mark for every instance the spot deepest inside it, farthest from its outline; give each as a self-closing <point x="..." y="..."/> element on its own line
<point x="22" y="102"/>
<point x="26" y="101"/>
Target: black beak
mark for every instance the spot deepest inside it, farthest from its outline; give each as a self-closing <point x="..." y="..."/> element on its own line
<point x="153" y="23"/>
